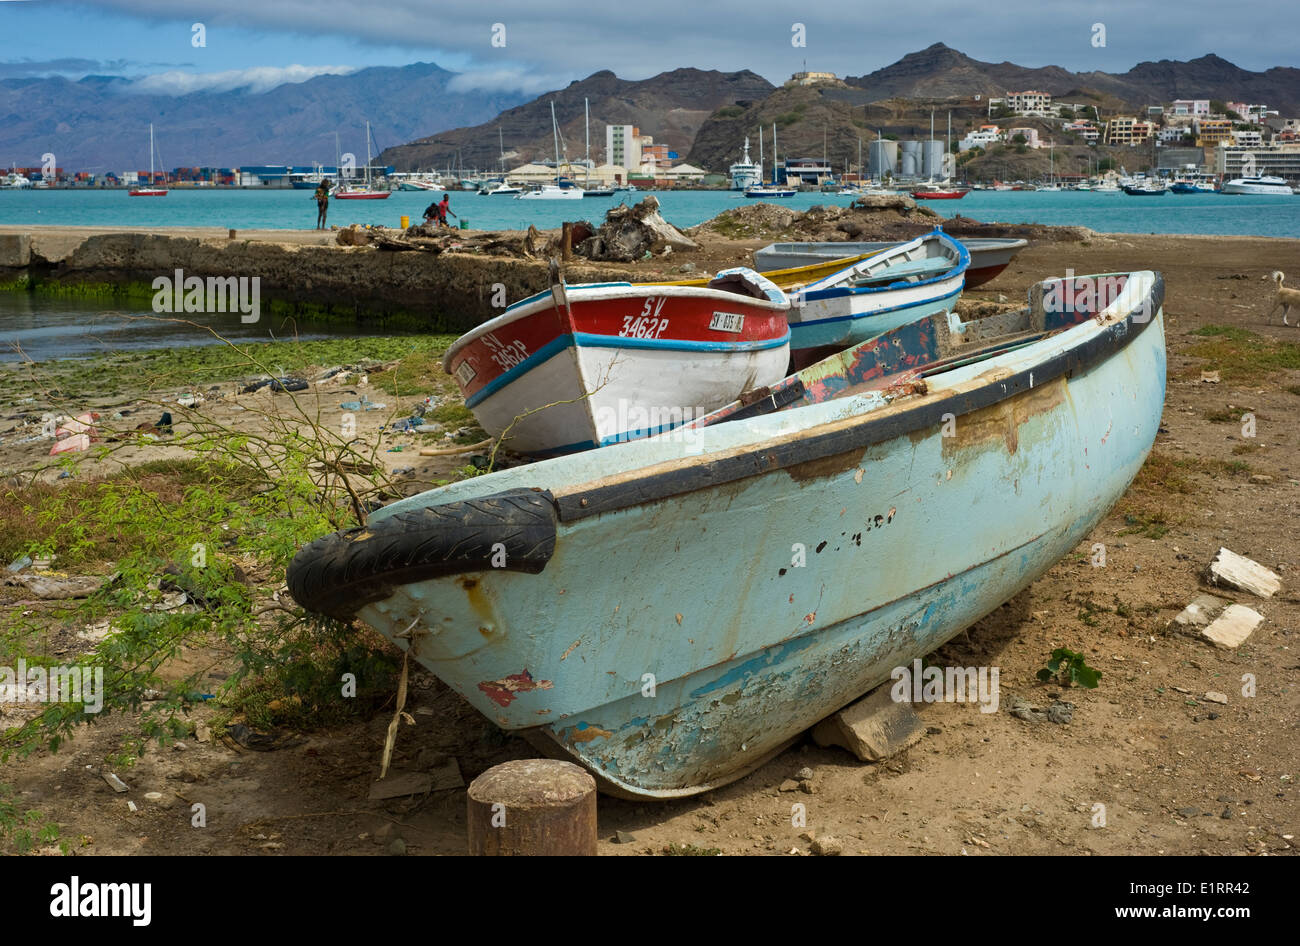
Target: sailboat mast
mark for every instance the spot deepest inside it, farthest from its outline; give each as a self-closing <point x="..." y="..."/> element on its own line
<point x="586" y="115"/>
<point x="367" y="154"/>
<point x="555" y="130"/>
<point x="151" y="153"/>
<point x="774" y="181"/>
<point x="760" y="154"/>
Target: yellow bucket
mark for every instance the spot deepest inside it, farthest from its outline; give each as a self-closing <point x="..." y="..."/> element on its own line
<point x="406" y="221"/>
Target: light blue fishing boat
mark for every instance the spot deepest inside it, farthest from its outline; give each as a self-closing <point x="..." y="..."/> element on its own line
<point x="901" y="284"/>
<point x="672" y="612"/>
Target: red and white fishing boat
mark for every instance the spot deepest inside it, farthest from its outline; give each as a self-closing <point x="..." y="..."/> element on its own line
<point x="583" y="366"/>
<point x="150" y="189"/>
<point x="940" y="192"/>
<point x="359" y="193"/>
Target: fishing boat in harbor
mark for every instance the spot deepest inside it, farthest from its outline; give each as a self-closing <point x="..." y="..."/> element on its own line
<point x="583" y="366"/>
<point x="365" y="192"/>
<point x="988" y="257"/>
<point x="899" y="285"/>
<point x="1146" y="187"/>
<point x="934" y="191"/>
<point x="151" y="189"/>
<point x="769" y="192"/>
<point x="1257" y="185"/>
<point x="931" y="474"/>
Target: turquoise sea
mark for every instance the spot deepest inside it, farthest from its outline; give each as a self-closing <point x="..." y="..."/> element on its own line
<point x="1271" y="216"/>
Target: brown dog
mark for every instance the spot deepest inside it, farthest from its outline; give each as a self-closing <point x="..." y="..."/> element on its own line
<point x="1285" y="299"/>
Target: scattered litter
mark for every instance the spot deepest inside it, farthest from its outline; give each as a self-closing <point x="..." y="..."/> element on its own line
<point x="1213" y="696"/>
<point x="189" y="400"/>
<point x="1233" y="626"/>
<point x="1201" y="612"/>
<point x="202" y="733"/>
<point x="115" y="783"/>
<point x="19" y="564"/>
<point x="164" y="425"/>
<point x="153" y="796"/>
<point x="131" y="806"/>
<point x="1059" y="712"/>
<point x="398" y="785"/>
<point x="428" y="428"/>
<point x="1237" y="571"/>
<point x="58" y="588"/>
<point x="240" y="735"/>
<point x="281" y="385"/>
<point x="623" y="837"/>
<point x="1210" y="377"/>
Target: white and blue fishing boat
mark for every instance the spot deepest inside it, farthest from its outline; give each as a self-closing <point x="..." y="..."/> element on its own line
<point x="879" y="293"/>
<point x="672" y="612"/>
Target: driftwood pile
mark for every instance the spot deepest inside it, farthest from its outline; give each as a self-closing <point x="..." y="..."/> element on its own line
<point x="632" y="233"/>
<point x="435" y="240"/>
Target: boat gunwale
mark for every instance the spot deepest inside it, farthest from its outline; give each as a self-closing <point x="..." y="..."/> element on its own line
<point x="600" y="292"/>
<point x="686" y="475"/>
<point x="816" y="292"/>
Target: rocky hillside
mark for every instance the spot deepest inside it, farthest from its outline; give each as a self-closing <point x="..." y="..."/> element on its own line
<point x="101" y="123"/>
<point x="671" y="106"/>
<point x="940" y="71"/>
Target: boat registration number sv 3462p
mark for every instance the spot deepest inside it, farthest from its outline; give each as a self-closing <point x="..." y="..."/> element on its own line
<point x="727" y="322"/>
<point x="648" y="324"/>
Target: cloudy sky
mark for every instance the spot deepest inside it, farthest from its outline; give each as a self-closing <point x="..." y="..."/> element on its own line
<point x="264" y="42"/>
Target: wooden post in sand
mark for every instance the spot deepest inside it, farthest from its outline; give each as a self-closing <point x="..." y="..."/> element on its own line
<point x="566" y="241"/>
<point x="532" y="806"/>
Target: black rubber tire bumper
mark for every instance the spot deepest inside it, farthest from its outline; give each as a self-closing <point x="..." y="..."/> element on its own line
<point x="339" y="574"/>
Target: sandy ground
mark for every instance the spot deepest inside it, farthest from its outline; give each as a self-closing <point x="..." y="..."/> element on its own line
<point x="1177" y="775"/>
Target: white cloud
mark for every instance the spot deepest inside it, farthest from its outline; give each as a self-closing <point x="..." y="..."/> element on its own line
<point x="505" y="80"/>
<point x="256" y="79"/>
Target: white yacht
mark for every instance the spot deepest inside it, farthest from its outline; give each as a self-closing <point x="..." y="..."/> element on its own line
<point x="500" y="189"/>
<point x="551" y="192"/>
<point x="1257" y="185"/>
<point x="14" y="181"/>
<point x="745" y="173"/>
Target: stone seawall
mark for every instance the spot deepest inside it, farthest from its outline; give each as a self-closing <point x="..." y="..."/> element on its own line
<point x="450" y="292"/>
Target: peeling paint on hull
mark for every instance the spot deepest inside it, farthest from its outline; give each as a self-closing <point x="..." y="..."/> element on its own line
<point x="706" y="646"/>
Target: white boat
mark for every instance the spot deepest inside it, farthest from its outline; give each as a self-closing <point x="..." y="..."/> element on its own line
<point x="1257" y="185"/>
<point x="899" y="285"/>
<point x="1106" y="187"/>
<point x="365" y="192"/>
<point x="575" y="367"/>
<point x="501" y="189"/>
<point x="768" y="192"/>
<point x="151" y="189"/>
<point x="745" y="173"/>
<point x="13" y="181"/>
<point x="551" y="192"/>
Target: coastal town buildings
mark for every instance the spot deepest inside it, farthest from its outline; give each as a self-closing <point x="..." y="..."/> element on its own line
<point x="1278" y="160"/>
<point x="1127" y="130"/>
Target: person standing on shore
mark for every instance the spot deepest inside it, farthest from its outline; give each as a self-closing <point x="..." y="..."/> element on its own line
<point x="444" y="208"/>
<point x="322" y="198"/>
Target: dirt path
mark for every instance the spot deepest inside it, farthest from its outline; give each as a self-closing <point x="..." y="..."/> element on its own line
<point x="1175" y="774"/>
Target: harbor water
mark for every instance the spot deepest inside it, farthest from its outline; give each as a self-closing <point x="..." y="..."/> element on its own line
<point x="1205" y="214"/>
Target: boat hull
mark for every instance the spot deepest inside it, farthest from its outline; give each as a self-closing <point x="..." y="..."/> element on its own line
<point x="692" y="616"/>
<point x="582" y="367"/>
<point x="988" y="257"/>
<point x="830" y="313"/>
